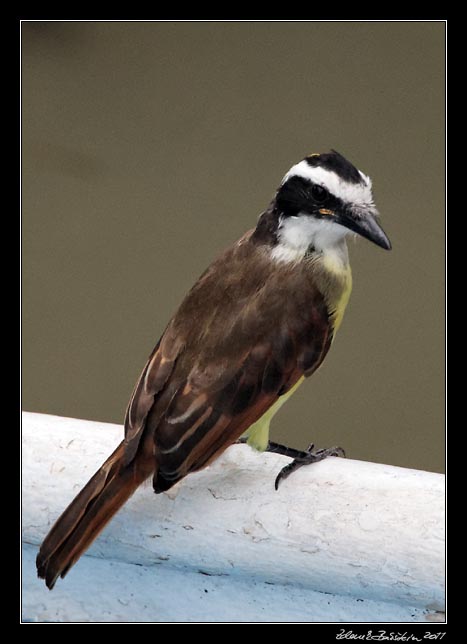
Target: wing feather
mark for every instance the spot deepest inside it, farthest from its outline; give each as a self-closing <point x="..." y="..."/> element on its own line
<point x="242" y="337"/>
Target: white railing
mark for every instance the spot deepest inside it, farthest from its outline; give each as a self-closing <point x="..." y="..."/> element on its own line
<point x="341" y="541"/>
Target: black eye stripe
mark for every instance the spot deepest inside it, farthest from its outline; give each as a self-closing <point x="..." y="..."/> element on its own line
<point x="299" y="194"/>
<point x="319" y="193"/>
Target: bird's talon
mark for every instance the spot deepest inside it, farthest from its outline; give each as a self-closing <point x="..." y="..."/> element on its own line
<point x="306" y="459"/>
<point x="330" y="451"/>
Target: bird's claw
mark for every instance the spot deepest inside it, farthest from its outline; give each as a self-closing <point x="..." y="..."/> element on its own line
<point x="309" y="456"/>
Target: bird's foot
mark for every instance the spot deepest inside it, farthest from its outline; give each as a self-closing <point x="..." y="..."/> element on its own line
<point x="301" y="458"/>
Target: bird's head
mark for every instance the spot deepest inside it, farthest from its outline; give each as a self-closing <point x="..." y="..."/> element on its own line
<point x="322" y="199"/>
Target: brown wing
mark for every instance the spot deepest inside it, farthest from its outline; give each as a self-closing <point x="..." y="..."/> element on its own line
<point x="152" y="385"/>
<point x="243" y="336"/>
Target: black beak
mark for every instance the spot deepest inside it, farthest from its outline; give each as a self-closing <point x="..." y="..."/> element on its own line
<point x="364" y="224"/>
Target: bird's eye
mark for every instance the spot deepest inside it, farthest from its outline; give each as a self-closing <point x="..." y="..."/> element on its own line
<point x="319" y="193"/>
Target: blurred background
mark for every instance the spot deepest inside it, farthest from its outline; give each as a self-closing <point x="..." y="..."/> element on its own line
<point x="150" y="147"/>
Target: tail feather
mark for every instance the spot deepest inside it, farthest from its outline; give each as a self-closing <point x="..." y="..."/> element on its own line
<point x="85" y="517"/>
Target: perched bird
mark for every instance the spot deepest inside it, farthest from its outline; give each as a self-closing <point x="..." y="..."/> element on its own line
<point x="258" y="321"/>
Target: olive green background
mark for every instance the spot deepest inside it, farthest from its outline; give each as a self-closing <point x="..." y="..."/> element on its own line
<point x="149" y="147"/>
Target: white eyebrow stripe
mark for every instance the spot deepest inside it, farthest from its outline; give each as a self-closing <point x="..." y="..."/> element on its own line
<point x="356" y="193"/>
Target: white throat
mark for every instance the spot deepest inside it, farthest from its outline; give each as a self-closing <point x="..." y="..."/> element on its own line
<point x="297" y="234"/>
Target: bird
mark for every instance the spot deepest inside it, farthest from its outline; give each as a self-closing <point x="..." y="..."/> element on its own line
<point x="255" y="324"/>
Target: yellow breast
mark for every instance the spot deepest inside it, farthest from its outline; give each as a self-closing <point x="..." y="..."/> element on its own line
<point x="336" y="287"/>
<point x="334" y="278"/>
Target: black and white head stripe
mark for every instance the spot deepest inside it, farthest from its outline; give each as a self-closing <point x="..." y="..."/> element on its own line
<point x="340" y="178"/>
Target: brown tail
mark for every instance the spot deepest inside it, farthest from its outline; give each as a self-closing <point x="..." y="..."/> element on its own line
<point x="88" y="513"/>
